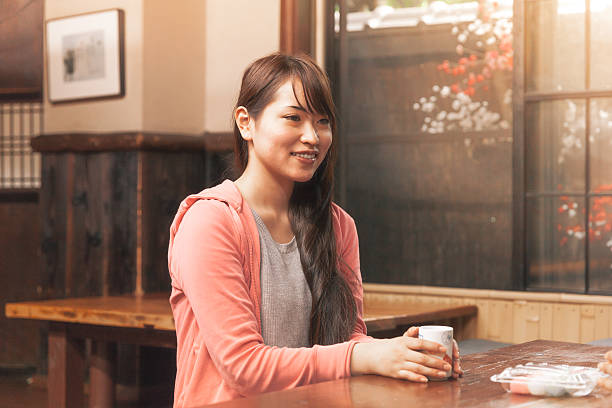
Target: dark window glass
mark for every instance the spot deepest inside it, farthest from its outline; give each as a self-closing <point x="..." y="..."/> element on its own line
<point x="555" y="146"/>
<point x="555" y="243"/>
<point x="601" y="145"/>
<point x="427" y="115"/>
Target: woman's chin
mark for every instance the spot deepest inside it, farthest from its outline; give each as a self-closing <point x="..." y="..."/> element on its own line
<point x="302" y="178"/>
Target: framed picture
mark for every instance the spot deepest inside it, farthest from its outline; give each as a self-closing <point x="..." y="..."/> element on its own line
<point x="85" y="56"/>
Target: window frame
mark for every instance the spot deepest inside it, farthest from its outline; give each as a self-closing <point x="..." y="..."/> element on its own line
<point x="521" y="99"/>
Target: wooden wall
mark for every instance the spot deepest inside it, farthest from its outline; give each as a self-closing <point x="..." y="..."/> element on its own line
<point x="514" y="317"/>
<point x="106" y="211"/>
<point x="19" y="276"/>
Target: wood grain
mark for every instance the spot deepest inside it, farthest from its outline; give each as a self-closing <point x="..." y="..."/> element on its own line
<point x="67" y="364"/>
<point x="386" y="317"/>
<point x="512" y="316"/>
<point x="473" y="390"/>
<point x="152" y="311"/>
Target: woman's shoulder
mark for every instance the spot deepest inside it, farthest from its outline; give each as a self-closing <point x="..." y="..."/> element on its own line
<point x="341" y="215"/>
<point x="344" y="224"/>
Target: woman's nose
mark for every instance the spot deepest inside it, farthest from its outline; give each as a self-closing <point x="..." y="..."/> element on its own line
<point x="310" y="135"/>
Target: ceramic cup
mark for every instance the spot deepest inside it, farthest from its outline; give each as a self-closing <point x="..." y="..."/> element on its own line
<point x="442" y="335"/>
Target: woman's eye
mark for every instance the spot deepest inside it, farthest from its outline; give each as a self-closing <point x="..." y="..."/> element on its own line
<point x="294" y="118"/>
<point x="324" y="121"/>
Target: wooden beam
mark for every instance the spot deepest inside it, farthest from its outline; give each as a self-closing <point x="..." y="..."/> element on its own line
<point x="66" y="369"/>
<point x="296" y="26"/>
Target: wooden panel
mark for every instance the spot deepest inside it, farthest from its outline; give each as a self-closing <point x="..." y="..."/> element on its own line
<point x="20" y="278"/>
<point x="602" y="322"/>
<point x="167" y="180"/>
<point x="526" y="321"/>
<point x="551" y="297"/>
<point x="469" y="325"/>
<point x="483" y="318"/>
<point x="89" y="203"/>
<point x="562" y="317"/>
<point x="500" y="318"/>
<point x="56" y="184"/>
<point x="587" y="323"/>
<point x="91" y="142"/>
<point x="123" y="189"/>
<point x="566" y="322"/>
<point x="21" y="50"/>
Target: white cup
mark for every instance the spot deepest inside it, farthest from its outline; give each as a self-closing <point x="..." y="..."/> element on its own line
<point x="442" y="335"/>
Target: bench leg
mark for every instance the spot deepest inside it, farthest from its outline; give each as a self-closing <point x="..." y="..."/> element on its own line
<point x="66" y="368"/>
<point x="102" y="374"/>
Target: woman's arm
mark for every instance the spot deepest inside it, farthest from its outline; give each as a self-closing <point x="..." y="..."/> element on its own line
<point x="207" y="264"/>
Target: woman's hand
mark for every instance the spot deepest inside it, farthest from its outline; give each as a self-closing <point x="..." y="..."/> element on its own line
<point x="606" y="367"/>
<point x="399" y="357"/>
<point x="457" y="371"/>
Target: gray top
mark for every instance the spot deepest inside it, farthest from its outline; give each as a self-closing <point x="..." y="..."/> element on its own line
<point x="285" y="296"/>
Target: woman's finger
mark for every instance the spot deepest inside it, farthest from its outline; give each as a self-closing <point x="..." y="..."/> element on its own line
<point x="427" y="371"/>
<point x="424" y="345"/>
<point x="412" y="332"/>
<point x="457" y="370"/>
<point x="609" y="356"/>
<point x="605" y="367"/>
<point x="455" y="349"/>
<point x="411" y="376"/>
<point x="428" y="361"/>
<point x="605" y="382"/>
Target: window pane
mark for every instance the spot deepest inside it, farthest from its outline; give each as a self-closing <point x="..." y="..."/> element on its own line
<point x="555" y="152"/>
<point x="428" y="118"/>
<point x="601" y="145"/>
<point x="600" y="244"/>
<point x="428" y="70"/>
<point x="554" y="46"/>
<point x="555" y="243"/>
<point x="429" y="214"/>
<point x="601" y="43"/>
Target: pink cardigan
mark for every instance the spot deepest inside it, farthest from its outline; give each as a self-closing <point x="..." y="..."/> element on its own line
<point x="213" y="259"/>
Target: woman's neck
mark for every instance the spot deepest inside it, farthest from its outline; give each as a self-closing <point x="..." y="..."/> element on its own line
<point x="265" y="193"/>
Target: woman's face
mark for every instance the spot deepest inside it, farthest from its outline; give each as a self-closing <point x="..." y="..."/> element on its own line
<point x="285" y="139"/>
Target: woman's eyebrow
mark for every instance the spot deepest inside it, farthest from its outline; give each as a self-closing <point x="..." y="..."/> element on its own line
<point x="298" y="108"/>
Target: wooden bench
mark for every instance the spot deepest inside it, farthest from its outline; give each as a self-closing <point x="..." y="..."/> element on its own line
<point x="147" y="320"/>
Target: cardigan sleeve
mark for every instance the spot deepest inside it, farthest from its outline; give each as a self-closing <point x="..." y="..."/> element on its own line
<point x="207" y="263"/>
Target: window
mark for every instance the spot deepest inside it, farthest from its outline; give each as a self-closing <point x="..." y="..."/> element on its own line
<point x="19" y="166"/>
<point x="564" y="202"/>
<point x="425" y="90"/>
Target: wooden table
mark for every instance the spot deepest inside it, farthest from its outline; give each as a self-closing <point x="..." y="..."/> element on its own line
<point x="147" y="320"/>
<point x="473" y="390"/>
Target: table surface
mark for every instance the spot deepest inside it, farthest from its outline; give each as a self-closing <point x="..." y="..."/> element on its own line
<point x="473" y="390"/>
<point x="153" y="311"/>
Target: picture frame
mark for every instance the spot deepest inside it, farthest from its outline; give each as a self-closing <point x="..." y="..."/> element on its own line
<point x="85" y="56"/>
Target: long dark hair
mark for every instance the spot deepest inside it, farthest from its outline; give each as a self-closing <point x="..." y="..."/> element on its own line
<point x="334" y="311"/>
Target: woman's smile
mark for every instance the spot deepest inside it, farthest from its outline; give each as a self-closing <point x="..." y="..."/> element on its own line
<point x="306" y="157"/>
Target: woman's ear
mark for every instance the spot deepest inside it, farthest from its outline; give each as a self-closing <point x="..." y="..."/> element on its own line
<point x="243" y="121"/>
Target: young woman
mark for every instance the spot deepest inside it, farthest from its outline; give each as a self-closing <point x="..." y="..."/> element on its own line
<point x="266" y="285"/>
